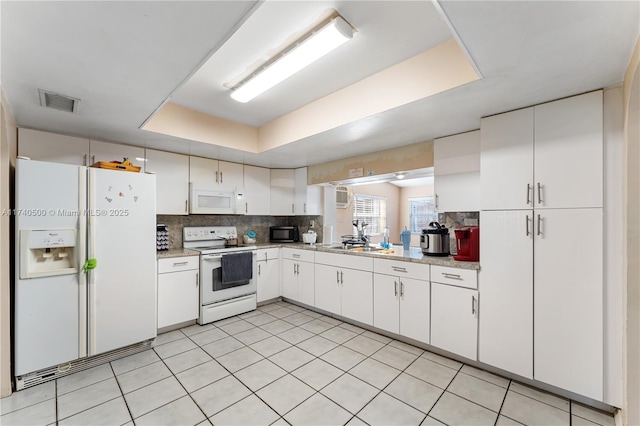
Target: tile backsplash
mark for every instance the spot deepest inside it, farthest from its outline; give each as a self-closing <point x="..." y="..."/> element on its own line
<point x="454" y="219"/>
<point x="260" y="224"/>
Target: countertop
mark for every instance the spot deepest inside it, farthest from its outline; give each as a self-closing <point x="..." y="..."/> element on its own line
<point x="414" y="254"/>
<point x="164" y="254"/>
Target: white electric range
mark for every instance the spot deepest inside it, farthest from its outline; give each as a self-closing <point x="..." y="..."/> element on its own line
<point x="227" y="282"/>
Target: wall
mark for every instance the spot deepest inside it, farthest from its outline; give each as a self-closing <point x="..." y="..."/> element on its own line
<point x="344" y="217"/>
<point x="405" y="194"/>
<point x="408" y="157"/>
<point x="260" y="224"/>
<point x="631" y="248"/>
<point x="8" y="150"/>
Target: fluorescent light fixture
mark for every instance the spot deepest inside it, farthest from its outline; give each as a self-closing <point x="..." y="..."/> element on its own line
<point x="400" y="175"/>
<point x="319" y="43"/>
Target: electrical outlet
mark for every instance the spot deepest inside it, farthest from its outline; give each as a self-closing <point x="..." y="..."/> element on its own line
<point x="312" y="224"/>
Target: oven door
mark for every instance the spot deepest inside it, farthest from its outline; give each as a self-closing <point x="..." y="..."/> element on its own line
<point x="211" y="287"/>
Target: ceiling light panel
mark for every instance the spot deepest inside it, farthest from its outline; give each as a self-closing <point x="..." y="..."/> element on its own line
<point x="315" y="46"/>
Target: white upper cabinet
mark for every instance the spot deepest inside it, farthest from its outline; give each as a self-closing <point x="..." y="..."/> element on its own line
<point x="213" y="172"/>
<point x="106" y="151"/>
<point x="506" y="161"/>
<point x="172" y="181"/>
<point x="569" y="152"/>
<point x="53" y="147"/>
<point x="282" y="192"/>
<point x="308" y="199"/>
<point x="457" y="172"/>
<point x="257" y="190"/>
<point x="547" y="156"/>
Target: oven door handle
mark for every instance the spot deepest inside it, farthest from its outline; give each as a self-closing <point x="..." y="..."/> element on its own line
<point x="212" y="257"/>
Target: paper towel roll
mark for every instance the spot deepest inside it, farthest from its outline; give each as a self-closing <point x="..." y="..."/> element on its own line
<point x="327" y="234"/>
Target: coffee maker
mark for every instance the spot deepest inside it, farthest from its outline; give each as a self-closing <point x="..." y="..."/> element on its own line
<point x="468" y="243"/>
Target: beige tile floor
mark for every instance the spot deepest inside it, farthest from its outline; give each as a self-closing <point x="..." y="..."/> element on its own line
<point x="284" y="364"/>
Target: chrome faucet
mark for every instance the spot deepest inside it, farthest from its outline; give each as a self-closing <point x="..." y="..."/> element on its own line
<point x="360" y="227"/>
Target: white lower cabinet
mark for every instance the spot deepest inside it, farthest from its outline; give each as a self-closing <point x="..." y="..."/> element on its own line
<point x="454" y="319"/>
<point x="268" y="281"/>
<point x="344" y="290"/>
<point x="401" y="306"/>
<point x="298" y="276"/>
<point x="178" y="290"/>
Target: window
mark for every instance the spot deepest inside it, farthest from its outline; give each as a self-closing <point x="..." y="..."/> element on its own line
<point x="422" y="211"/>
<point x="372" y="210"/>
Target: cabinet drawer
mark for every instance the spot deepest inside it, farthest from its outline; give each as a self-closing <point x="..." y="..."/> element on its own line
<point x="401" y="269"/>
<point x="268" y="254"/>
<point x="349" y="261"/>
<point x="175" y="264"/>
<point x="304" y="255"/>
<point x="454" y="276"/>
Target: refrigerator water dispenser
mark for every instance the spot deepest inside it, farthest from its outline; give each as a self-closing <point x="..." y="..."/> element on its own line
<point x="45" y="253"/>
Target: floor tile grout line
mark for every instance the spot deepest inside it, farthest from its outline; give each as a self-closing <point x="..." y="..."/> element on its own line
<point x="503" y="400"/>
<point x="55" y="392"/>
<point x="542" y="402"/>
<point x="443" y="392"/>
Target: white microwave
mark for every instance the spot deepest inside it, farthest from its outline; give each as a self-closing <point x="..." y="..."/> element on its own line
<point x="207" y="199"/>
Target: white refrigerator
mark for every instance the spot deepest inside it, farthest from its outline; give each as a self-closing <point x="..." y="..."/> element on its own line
<point x="66" y="215"/>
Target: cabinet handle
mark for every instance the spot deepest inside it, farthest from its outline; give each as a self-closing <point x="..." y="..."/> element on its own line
<point x="401" y="289"/>
<point x="265" y="256"/>
<point x="294" y="269"/>
<point x="528" y="192"/>
<point x="437" y="201"/>
<point x="341" y="280"/>
<point x="217" y="181"/>
<point x="298" y="268"/>
<point x="398" y="269"/>
<point x="220" y="177"/>
<point x="186" y="206"/>
<point x="539" y="193"/>
<point x="452" y="276"/>
<point x="180" y="263"/>
<point x="395" y="285"/>
<point x="295" y="255"/>
<point x="197" y="279"/>
<point x="93" y="159"/>
<point x="473" y="305"/>
<point x="305" y="208"/>
<point x="539" y="225"/>
<point x="258" y="269"/>
<point x="84" y="160"/>
<point x="246" y="208"/>
<point x="527" y="225"/>
<point x="293" y="206"/>
<point x="338" y="277"/>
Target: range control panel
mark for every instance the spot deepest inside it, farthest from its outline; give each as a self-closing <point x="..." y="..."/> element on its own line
<point x="203" y="233"/>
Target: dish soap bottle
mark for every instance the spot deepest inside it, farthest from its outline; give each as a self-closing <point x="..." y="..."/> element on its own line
<point x="385" y="244"/>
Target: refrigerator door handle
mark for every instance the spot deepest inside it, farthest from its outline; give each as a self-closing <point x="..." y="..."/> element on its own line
<point x="81" y="259"/>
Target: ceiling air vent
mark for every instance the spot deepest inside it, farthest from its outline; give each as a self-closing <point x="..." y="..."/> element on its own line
<point x="57" y="101"/>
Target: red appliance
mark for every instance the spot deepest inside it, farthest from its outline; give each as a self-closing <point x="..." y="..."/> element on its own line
<point x="468" y="243"/>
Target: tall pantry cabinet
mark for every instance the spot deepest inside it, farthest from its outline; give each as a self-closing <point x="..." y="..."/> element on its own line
<point x="542" y="243"/>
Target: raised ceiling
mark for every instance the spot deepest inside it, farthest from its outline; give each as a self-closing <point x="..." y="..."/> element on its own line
<point x="125" y="59"/>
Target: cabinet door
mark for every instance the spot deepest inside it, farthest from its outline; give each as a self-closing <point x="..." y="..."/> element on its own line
<point x="414" y="309"/>
<point x="231" y="175"/>
<point x="454" y="319"/>
<point x="282" y="192"/>
<point x="107" y="151"/>
<point x="327" y="288"/>
<point x="172" y="181"/>
<point x="357" y="295"/>
<point x="268" y="280"/>
<point x="569" y="152"/>
<point x="457" y="192"/>
<point x="53" y="147"/>
<point x="506" y="276"/>
<point x="506" y="160"/>
<point x="306" y="280"/>
<point x="203" y="171"/>
<point x="178" y="294"/>
<point x="289" y="279"/>
<point x="308" y="199"/>
<point x="386" y="302"/>
<point x="257" y="190"/>
<point x="568" y="309"/>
